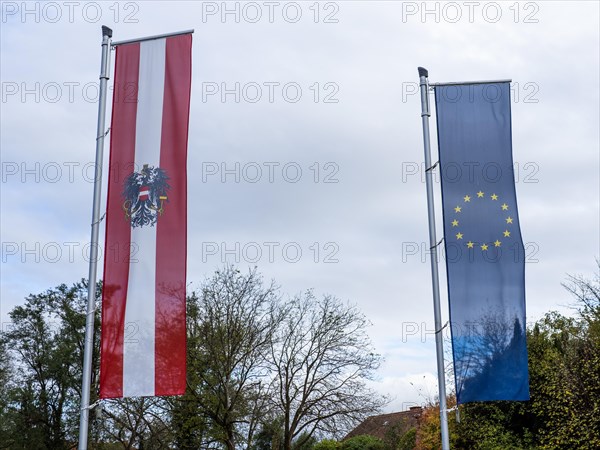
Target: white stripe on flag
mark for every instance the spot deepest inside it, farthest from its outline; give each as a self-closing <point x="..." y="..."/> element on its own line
<point x="138" y="346"/>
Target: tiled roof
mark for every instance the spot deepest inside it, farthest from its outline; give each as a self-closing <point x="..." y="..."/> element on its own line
<point x="378" y="426"/>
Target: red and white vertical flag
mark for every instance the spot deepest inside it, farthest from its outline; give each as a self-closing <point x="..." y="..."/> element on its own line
<point x="143" y="344"/>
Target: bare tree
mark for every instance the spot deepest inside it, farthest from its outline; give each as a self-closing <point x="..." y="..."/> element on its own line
<point x="586" y="293"/>
<point x="136" y="423"/>
<point x="235" y="321"/>
<point x="321" y="359"/>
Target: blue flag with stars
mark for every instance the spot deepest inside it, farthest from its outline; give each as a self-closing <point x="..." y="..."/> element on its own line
<point x="485" y="257"/>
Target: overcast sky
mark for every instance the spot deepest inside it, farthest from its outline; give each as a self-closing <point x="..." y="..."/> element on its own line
<point x="305" y="147"/>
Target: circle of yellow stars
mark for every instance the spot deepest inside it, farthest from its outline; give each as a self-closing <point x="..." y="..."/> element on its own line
<point x="485" y="245"/>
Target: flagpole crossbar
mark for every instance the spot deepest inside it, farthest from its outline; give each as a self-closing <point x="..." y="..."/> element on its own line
<point x="151" y="38"/>
<point x="457" y="83"/>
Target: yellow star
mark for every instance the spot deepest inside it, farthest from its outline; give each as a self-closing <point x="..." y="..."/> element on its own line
<point x="470" y="244"/>
<point x="479" y="194"/>
<point x="504" y="207"/>
<point x="506" y="233"/>
<point x="497" y="243"/>
<point x="494" y="197"/>
<point x="459" y="235"/>
<point x="467" y="198"/>
<point x="457" y="209"/>
<point x="509" y="219"/>
<point x="484" y="247"/>
<point x="455" y="223"/>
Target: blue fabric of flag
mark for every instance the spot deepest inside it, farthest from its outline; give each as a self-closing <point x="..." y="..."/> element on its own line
<point x="484" y="252"/>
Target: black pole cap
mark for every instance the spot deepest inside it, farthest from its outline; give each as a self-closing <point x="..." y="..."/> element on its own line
<point x="106" y="31"/>
<point x="423" y="72"/>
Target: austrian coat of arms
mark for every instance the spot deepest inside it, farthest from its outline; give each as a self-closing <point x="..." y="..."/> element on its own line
<point x="145" y="194"/>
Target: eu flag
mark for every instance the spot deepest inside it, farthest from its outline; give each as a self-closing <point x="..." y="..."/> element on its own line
<point x="484" y="249"/>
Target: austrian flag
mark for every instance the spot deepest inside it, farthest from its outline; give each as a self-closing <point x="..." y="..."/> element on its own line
<point x="143" y="343"/>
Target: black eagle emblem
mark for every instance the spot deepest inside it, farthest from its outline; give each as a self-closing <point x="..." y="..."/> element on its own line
<point x="145" y="194"/>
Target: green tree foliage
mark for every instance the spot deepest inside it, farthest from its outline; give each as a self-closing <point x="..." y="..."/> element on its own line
<point x="6" y="373"/>
<point x="566" y="376"/>
<point x="407" y="441"/>
<point x="363" y="442"/>
<point x="492" y="426"/>
<point x="270" y="435"/>
<point x="327" y="444"/>
<point x="46" y="339"/>
<point x="400" y="436"/>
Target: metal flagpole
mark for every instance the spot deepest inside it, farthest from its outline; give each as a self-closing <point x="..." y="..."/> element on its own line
<point x="437" y="314"/>
<point x="91" y="306"/>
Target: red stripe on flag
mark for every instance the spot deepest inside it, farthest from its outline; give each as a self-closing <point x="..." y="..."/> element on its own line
<point x="171" y="236"/>
<point x="118" y="229"/>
